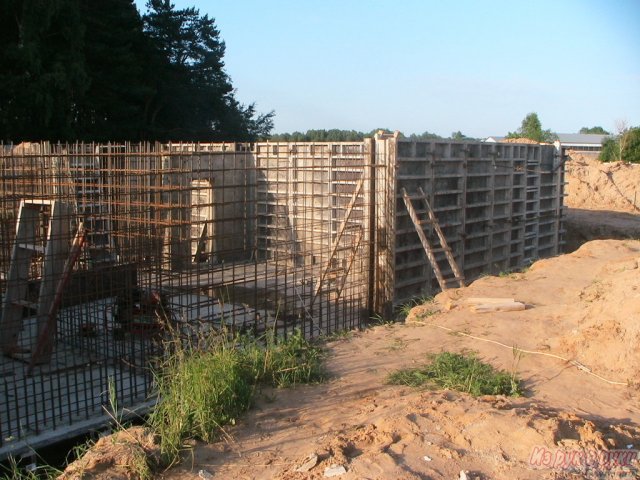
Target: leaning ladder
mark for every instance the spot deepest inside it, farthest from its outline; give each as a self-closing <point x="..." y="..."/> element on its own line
<point x="428" y="249"/>
<point x="54" y="251"/>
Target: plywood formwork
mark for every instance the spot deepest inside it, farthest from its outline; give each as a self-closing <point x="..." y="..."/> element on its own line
<point x="498" y="205"/>
<point x="199" y="237"/>
<point x="248" y="237"/>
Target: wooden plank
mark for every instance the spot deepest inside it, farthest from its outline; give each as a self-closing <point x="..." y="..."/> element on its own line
<point x="55" y="256"/>
<point x="46" y="334"/>
<point x="443" y="241"/>
<point x="423" y="239"/>
<point x="352" y="257"/>
<point x="11" y="322"/>
<point x="489" y="300"/>
<point x="336" y="242"/>
<point x="498" y="307"/>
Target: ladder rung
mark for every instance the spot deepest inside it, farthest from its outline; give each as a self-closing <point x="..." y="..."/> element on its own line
<point x="25" y="303"/>
<point x="454" y="279"/>
<point x="32" y="247"/>
<point x="37" y="202"/>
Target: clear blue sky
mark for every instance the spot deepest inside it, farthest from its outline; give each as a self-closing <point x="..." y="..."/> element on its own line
<point x="441" y="66"/>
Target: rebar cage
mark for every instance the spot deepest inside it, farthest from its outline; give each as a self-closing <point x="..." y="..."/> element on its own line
<point x="104" y="247"/>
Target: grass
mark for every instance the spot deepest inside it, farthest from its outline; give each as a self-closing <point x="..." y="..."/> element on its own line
<point x="405" y="308"/>
<point x="14" y="471"/>
<point x="203" y="386"/>
<point x="465" y="373"/>
<point x="201" y="391"/>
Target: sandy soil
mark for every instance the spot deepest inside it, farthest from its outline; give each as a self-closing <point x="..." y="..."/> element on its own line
<point x="584" y="307"/>
<point x="580" y="334"/>
<point x="603" y="200"/>
<point x="594" y="185"/>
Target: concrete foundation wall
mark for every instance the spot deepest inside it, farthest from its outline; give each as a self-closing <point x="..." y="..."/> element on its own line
<point x="255" y="238"/>
<point x="499" y="206"/>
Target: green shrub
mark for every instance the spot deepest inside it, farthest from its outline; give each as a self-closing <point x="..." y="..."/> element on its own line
<point x="630" y="147"/>
<point x="610" y="150"/>
<point x="465" y="373"/>
<point x="200" y="391"/>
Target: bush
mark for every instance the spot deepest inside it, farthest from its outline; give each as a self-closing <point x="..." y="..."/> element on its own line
<point x="630" y="147"/>
<point x="610" y="150"/>
<point x="199" y="391"/>
<point x="459" y="372"/>
<point x="631" y="152"/>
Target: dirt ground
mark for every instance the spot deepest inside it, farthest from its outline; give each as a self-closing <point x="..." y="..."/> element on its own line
<point x="593" y="185"/>
<point x="584" y="307"/>
<point x="603" y="200"/>
<point x="579" y="364"/>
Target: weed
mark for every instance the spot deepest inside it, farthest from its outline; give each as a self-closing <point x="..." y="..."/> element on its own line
<point x="337" y="335"/>
<point x="14" y="471"/>
<point x="378" y="320"/>
<point x="405" y="308"/>
<point x="200" y="391"/>
<point x="465" y="373"/>
<point x="517" y="356"/>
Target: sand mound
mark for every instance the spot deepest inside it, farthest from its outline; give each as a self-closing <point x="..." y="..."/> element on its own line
<point x="433" y="430"/>
<point x="584" y="306"/>
<point x="607" y="333"/>
<point x="120" y="456"/>
<point x="602" y="186"/>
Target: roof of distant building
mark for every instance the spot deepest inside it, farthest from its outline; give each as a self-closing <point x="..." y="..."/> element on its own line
<point x="566" y="138"/>
<point x="581" y="138"/>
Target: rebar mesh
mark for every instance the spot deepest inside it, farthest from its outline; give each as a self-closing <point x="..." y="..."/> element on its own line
<point x="200" y="237"/>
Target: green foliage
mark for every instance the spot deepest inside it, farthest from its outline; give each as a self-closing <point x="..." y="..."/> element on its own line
<point x="625" y="147"/>
<point x="337" y="135"/>
<point x="200" y="391"/>
<point x="12" y="470"/>
<point x="596" y="130"/>
<point x="404" y="309"/>
<point x="465" y="373"/>
<point x="41" y="68"/>
<point x="460" y="136"/>
<point x="333" y="135"/>
<point x="631" y="150"/>
<point x="610" y="150"/>
<point x="424" y="136"/>
<point x="97" y="71"/>
<point x="531" y="128"/>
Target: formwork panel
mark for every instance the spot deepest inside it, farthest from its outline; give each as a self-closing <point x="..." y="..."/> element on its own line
<point x="494" y="200"/>
<point x="179" y="239"/>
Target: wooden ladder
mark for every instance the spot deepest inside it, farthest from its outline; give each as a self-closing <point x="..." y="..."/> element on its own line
<point x="445" y="283"/>
<point x="54" y="248"/>
<point x="335" y="271"/>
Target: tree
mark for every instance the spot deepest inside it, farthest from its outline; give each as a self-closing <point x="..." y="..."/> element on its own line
<point x="460" y="136"/>
<point x="195" y="99"/>
<point x="596" y="130"/>
<point x="95" y="70"/>
<point x="531" y="128"/>
<point x="631" y="152"/>
<point x="42" y="76"/>
<point x="118" y="60"/>
<point x="623" y="147"/>
<point x="424" y="136"/>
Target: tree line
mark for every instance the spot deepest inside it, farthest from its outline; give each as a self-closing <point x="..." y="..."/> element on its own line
<point x="99" y="71"/>
<point x="337" y="135"/>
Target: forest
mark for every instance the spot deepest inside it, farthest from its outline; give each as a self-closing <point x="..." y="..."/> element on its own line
<point x="102" y="71"/>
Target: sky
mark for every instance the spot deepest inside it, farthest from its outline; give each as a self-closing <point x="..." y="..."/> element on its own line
<point x="440" y="66"/>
